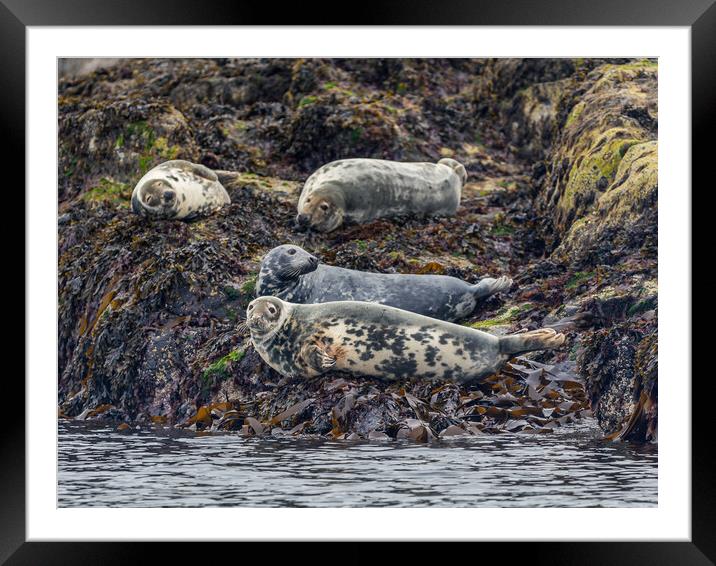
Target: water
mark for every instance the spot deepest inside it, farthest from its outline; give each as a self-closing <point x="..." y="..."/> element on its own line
<point x="165" y="468"/>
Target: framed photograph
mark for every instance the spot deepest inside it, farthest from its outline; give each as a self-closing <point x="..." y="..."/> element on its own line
<point x="415" y="277"/>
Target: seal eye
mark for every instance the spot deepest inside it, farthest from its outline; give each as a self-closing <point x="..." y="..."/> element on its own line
<point x="292" y="252"/>
<point x="324" y="206"/>
<point x="272" y="309"/>
<point x="251" y="307"/>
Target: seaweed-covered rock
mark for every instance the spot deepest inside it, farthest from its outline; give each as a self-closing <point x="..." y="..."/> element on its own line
<point x="116" y="140"/>
<point x="621" y="365"/>
<point x="150" y="312"/>
<point x="613" y="110"/>
<point x="624" y="218"/>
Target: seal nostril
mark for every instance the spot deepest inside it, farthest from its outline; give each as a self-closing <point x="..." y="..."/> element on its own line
<point x="302" y="220"/>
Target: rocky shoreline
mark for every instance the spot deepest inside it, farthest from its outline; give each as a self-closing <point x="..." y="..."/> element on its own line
<point x="561" y="196"/>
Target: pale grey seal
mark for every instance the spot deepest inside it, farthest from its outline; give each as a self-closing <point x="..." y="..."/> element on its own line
<point x="178" y="189"/>
<point x="292" y="274"/>
<point x="366" y="339"/>
<point x="360" y="190"/>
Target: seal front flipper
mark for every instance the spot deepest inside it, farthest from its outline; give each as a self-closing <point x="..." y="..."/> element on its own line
<point x="318" y="356"/>
<point x="489" y="286"/>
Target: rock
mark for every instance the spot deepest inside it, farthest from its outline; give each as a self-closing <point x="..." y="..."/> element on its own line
<point x="77" y="66"/>
<point x="624" y="218"/>
<point x="621" y="365"/>
<point x="453" y="430"/>
<point x="613" y="110"/>
<point x="117" y="141"/>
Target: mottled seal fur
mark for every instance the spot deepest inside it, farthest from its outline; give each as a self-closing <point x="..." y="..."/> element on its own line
<point x="360" y="190"/>
<point x="179" y="190"/>
<point x="292" y="274"/>
<point x="366" y="339"/>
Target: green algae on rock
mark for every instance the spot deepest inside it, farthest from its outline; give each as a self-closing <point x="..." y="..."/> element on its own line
<point x="614" y="109"/>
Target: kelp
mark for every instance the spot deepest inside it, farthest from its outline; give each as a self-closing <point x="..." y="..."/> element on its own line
<point x="525" y="397"/>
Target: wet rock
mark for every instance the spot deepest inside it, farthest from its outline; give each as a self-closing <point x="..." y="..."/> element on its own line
<point x="621" y="368"/>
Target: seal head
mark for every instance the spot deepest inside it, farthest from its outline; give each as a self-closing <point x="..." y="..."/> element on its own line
<point x="323" y="210"/>
<point x="157" y="197"/>
<point x="264" y="317"/>
<point x="282" y="268"/>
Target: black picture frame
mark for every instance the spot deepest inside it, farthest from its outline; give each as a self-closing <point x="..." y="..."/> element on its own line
<point x="699" y="15"/>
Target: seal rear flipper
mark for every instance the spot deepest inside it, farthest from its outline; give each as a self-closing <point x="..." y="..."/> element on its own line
<point x="456" y="166"/>
<point x="489" y="286"/>
<point x="542" y="339"/>
<point x="194" y="168"/>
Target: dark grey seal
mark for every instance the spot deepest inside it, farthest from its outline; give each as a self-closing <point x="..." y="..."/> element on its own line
<point x="292" y="274"/>
<point x="366" y="339"/>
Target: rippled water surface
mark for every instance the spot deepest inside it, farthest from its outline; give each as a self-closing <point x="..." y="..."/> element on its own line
<point x="165" y="468"/>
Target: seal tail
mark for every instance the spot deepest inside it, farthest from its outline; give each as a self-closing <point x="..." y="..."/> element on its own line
<point x="489" y="286"/>
<point x="542" y="339"/>
<point x="227" y="177"/>
<point x="456" y="166"/>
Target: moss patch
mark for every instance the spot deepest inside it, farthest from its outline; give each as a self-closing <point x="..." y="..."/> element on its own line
<point x="248" y="287"/>
<point x="596" y="171"/>
<point x="506" y="316"/>
<point x="110" y="191"/>
<point x="578" y="278"/>
<point x="155" y="148"/>
<point x="307" y="100"/>
<point x="575" y="113"/>
<point x="218" y="368"/>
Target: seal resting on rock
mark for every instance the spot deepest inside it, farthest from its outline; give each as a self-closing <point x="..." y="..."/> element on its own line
<point x="360" y="190"/>
<point x="292" y="274"/>
<point x="179" y="190"/>
<point x="366" y="339"/>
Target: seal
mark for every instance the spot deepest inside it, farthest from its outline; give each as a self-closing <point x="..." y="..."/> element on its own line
<point x="178" y="189"/>
<point x="366" y="339"/>
<point x="360" y="190"/>
<point x="292" y="274"/>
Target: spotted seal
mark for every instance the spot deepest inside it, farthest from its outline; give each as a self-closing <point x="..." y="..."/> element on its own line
<point x="366" y="339"/>
<point x="292" y="274"/>
<point x="360" y="190"/>
<point x="178" y="189"/>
